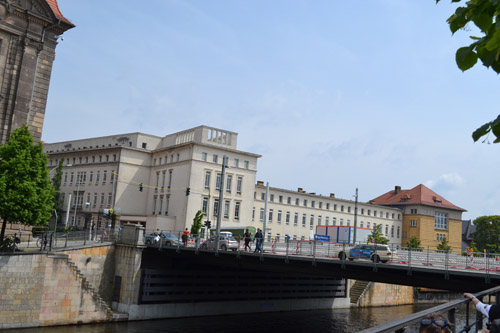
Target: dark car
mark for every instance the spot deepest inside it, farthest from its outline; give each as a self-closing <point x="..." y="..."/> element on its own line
<point x="166" y="239"/>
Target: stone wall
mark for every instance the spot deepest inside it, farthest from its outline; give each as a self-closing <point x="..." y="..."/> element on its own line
<point x="97" y="264"/>
<point x="39" y="289"/>
<point x="381" y="294"/>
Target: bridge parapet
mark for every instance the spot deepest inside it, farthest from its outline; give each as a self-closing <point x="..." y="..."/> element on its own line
<point x="132" y="234"/>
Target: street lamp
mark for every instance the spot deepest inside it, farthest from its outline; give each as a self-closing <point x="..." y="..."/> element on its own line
<point x="221" y="199"/>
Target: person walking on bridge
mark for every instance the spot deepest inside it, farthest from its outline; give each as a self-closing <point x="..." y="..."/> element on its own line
<point x="258" y="240"/>
<point x="247" y="237"/>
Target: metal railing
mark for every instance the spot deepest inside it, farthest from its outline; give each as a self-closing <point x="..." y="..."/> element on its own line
<point x="463" y="324"/>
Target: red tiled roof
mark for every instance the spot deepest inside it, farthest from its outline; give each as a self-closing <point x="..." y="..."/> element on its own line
<point x="420" y="194"/>
<point x="55" y="8"/>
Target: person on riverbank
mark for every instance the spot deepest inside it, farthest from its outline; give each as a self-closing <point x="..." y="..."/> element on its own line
<point x="258" y="240"/>
<point x="247" y="237"/>
<point x="489" y="310"/>
<point x="435" y="323"/>
<point x="185" y="236"/>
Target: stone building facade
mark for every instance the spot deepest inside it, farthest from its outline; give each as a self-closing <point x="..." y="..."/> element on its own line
<point x="28" y="38"/>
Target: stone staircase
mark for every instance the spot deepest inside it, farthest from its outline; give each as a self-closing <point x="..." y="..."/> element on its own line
<point x="357" y="290"/>
<point x="86" y="285"/>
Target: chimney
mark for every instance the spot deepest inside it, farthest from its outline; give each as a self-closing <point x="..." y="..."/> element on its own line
<point x="260" y="183"/>
<point x="397" y="189"/>
<point x="332" y="195"/>
<point x="300" y="190"/>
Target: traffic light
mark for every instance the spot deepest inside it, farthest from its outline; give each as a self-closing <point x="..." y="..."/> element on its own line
<point x="188" y="191"/>
<point x="140" y="187"/>
<point x="208" y="224"/>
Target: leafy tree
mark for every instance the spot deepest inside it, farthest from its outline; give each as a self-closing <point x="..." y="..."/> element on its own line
<point x="443" y="246"/>
<point x="487" y="234"/>
<point x="377" y="235"/>
<point x="197" y="223"/>
<point x="485" y="14"/>
<point x="26" y="195"/>
<point x="413" y="243"/>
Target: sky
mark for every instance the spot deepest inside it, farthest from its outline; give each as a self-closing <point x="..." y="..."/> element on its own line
<point x="335" y="95"/>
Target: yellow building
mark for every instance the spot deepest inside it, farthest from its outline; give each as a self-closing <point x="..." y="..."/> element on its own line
<point x="426" y="215"/>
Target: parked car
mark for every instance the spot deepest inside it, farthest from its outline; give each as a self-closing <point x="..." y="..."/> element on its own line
<point x="166" y="238"/>
<point x="225" y="243"/>
<point x="374" y="252"/>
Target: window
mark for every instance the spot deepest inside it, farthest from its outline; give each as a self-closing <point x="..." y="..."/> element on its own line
<point x="238" y="185"/>
<point x="268" y="236"/>
<point x="368" y="225"/>
<point x="112" y="177"/>
<point x="279" y="217"/>
<point x="245" y="164"/>
<point x="226" y="209"/>
<point x="327" y="220"/>
<point x="253" y="214"/>
<point x="154" y="204"/>
<point x="398" y="231"/>
<point x="297" y="202"/>
<point x="102" y="199"/>
<point x="334" y="221"/>
<point x="262" y="215"/>
<point x="216" y="207"/>
<point x="393" y="216"/>
<point x="386" y="215"/>
<point x="311" y="220"/>
<point x="100" y="158"/>
<point x="320" y="204"/>
<point x="362" y="211"/>
<point x="217" y="182"/>
<point x="341" y="222"/>
<point x="95" y="199"/>
<point x="348" y="223"/>
<point x="413" y="223"/>
<point x="341" y="208"/>
<point x="263" y="196"/>
<point x="348" y="209"/>
<point x="205" y="205"/>
<point x="177" y="158"/>
<point x="441" y="221"/>
<point x="71" y="178"/>
<point x="203" y="156"/>
<point x="392" y="231"/>
<point x="157" y="180"/>
<point x="277" y="238"/>
<point x="161" y="205"/>
<point x="369" y="212"/>
<point x="207" y="179"/>
<point x="287" y="218"/>
<point x="375" y="213"/>
<point x="66" y="178"/>
<point x="386" y="230"/>
<point x="214" y="159"/>
<point x="229" y="183"/>
<point x="295" y="219"/>
<point x="236" y="162"/>
<point x="163" y="176"/>
<point x="304" y="218"/>
<point x="334" y="206"/>
<point x="305" y="203"/>
<point x="413" y="211"/>
<point x="237" y="210"/>
<point x="271" y="198"/>
<point x="114" y="157"/>
<point x="313" y="203"/>
<point x="289" y="200"/>
<point x="270" y="216"/>
<point x="280" y="199"/>
<point x="167" y="202"/>
<point x="361" y="224"/>
<point x="319" y="220"/>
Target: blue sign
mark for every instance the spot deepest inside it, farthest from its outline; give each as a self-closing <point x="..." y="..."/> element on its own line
<point x="322" y="238"/>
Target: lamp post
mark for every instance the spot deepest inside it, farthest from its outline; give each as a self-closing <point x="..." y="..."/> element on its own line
<point x="78" y="180"/>
<point x="221" y="198"/>
<point x="355" y="217"/>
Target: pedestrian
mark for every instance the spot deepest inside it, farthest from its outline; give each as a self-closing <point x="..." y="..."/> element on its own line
<point x="185" y="236"/>
<point x="247" y="237"/>
<point x="490" y="311"/>
<point x="435" y="323"/>
<point x="92" y="232"/>
<point x="157" y="235"/>
<point x="258" y="240"/>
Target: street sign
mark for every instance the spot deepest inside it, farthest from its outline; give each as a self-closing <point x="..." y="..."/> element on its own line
<point x="322" y="238"/>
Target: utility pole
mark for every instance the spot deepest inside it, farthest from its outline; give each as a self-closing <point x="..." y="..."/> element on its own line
<point x="76" y="198"/>
<point x="221" y="199"/>
<point x="355" y="216"/>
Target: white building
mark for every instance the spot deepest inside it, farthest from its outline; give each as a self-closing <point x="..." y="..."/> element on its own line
<point x="145" y="178"/>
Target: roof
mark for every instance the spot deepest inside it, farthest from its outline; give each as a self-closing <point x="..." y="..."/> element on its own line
<point x="419" y="195"/>
<point x="57" y="12"/>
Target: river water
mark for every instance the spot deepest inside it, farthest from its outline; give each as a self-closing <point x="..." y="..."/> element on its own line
<point x="336" y="320"/>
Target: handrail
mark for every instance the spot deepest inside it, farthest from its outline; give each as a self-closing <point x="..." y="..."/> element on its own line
<point x="400" y="324"/>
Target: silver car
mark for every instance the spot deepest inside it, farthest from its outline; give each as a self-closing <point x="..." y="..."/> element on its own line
<point x="225" y="243"/>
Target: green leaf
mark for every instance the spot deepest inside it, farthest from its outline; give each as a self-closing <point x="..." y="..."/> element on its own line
<point x="466" y="58"/>
<point x="481" y="131"/>
<point x="494" y="42"/>
<point x="483" y="21"/>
